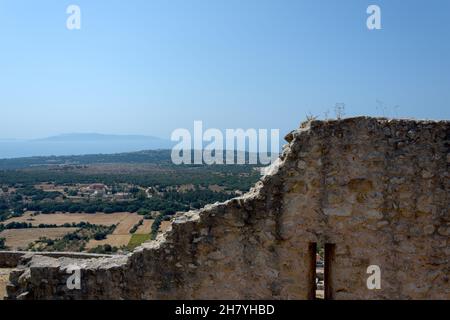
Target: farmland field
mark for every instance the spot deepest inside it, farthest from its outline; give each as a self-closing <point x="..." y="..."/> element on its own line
<point x="121" y="235"/>
<point x="146" y="227"/>
<point x="39" y="196"/>
<point x="115" y="240"/>
<point x="124" y="218"/>
<point x="16" y="239"/>
<point x="127" y="222"/>
<point x="137" y="239"/>
<point x="164" y="226"/>
<point x="20" y="238"/>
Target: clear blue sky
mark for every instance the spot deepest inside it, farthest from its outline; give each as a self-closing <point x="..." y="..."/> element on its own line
<point x="148" y="67"/>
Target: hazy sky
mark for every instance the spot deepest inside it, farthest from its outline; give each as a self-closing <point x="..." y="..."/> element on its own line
<point x="148" y="67"/>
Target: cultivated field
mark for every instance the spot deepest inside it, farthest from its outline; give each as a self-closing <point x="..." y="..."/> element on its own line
<point x="120" y="237"/>
<point x="164" y="226"/>
<point x="127" y="222"/>
<point x="145" y="228"/>
<point x="137" y="240"/>
<point x="95" y="218"/>
<point x="115" y="240"/>
<point x="16" y="239"/>
<point x="124" y="221"/>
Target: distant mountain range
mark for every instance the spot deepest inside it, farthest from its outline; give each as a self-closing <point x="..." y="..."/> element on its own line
<point x="79" y="144"/>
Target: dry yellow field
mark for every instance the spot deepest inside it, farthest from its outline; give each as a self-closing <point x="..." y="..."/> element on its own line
<point x="123" y="238"/>
<point x="145" y="228"/>
<point x="126" y="223"/>
<point x="20" y="238"/>
<point x="164" y="226"/>
<point x="117" y="240"/>
<point x="4" y="276"/>
<point x="94" y="218"/>
<point x="121" y="235"/>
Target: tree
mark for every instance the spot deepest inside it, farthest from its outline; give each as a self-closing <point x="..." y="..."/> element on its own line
<point x="141" y="195"/>
<point x="100" y="236"/>
<point x="143" y="211"/>
<point x="2" y="243"/>
<point x="155" y="226"/>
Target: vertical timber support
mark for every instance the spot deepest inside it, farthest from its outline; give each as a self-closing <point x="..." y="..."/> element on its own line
<point x="312" y="251"/>
<point x="330" y="249"/>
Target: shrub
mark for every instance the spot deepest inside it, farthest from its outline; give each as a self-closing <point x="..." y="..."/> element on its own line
<point x="106" y="248"/>
<point x="108" y="210"/>
<point x="2" y="243"/>
<point x="143" y="212"/>
<point x="155" y="226"/>
<point x="100" y="235"/>
<point x="136" y="226"/>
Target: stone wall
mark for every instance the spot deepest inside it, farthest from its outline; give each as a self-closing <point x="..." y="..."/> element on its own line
<point x="376" y="189"/>
<point x="11" y="259"/>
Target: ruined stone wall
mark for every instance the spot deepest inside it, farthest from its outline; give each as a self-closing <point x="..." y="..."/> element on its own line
<point x="379" y="191"/>
<point x="11" y="259"/>
<point x="376" y="189"/>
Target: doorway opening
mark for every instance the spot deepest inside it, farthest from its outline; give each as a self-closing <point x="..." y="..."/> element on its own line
<point x="321" y="270"/>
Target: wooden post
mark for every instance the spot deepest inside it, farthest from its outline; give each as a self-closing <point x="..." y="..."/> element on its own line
<point x="328" y="270"/>
<point x="312" y="251"/>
